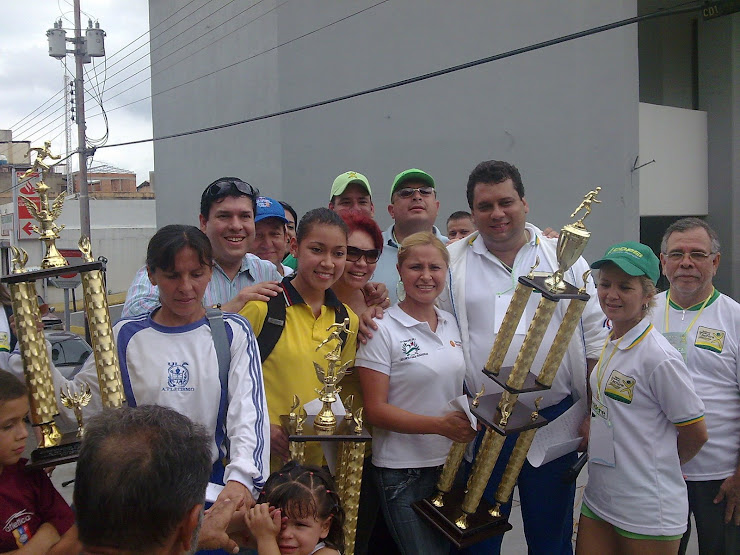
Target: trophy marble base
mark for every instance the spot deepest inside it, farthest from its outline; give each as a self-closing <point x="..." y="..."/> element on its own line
<point x="520" y="418"/>
<point x="481" y="525"/>
<point x="343" y="431"/>
<point x="65" y="452"/>
<point x="530" y="383"/>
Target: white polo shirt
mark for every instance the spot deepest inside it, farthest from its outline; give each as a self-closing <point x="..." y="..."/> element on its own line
<point x="647" y="391"/>
<point x="713" y="358"/>
<point x="426" y="370"/>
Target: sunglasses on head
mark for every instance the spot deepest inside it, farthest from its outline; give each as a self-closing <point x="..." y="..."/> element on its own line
<point x="371" y="256"/>
<point x="224" y="186"/>
<point x="408" y="192"/>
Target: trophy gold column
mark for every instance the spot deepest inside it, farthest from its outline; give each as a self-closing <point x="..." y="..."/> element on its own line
<point x="55" y="448"/>
<point x="462" y="516"/>
<point x="324" y="427"/>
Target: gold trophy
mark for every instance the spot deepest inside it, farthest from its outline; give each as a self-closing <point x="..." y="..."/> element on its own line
<point x="463" y="516"/>
<point x="348" y="431"/>
<point x="76" y="401"/>
<point x="54" y="448"/>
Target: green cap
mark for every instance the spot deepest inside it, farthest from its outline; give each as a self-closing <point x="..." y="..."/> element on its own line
<point x="345" y="180"/>
<point x="634" y="258"/>
<point x="411" y="175"/>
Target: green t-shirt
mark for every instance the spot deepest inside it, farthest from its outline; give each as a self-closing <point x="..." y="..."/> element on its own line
<point x="290" y="261"/>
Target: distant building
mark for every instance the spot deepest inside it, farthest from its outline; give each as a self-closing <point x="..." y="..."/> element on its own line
<point x="107" y="181"/>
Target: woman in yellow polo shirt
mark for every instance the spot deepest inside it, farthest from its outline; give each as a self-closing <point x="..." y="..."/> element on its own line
<point x="311" y="307"/>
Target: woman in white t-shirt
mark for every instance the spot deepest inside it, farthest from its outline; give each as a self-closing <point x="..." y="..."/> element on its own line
<point x="646" y="419"/>
<point x="409" y="370"/>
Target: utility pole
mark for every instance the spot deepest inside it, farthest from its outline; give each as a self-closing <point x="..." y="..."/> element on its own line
<point x="68" y="132"/>
<point x="80" y="52"/>
<point x="85" y="48"/>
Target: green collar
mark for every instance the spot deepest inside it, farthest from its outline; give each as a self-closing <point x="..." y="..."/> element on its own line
<point x="713" y="297"/>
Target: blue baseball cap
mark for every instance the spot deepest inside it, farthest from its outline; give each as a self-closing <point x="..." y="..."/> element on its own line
<point x="269" y="208"/>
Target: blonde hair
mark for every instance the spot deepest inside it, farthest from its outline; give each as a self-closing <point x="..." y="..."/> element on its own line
<point x="421" y="239"/>
<point x="648" y="289"/>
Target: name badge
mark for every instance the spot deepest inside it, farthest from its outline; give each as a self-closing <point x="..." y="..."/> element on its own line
<point x="678" y="342"/>
<point x="599" y="409"/>
<point x="601" y="442"/>
<point x="502" y="304"/>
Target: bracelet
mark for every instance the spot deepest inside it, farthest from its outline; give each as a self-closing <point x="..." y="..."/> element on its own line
<point x="217" y="306"/>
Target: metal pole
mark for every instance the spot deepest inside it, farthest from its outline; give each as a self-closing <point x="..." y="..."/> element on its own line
<point x="81" y="145"/>
<point x="67" y="316"/>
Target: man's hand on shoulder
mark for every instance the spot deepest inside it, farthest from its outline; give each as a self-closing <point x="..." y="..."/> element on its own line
<point x="262" y="291"/>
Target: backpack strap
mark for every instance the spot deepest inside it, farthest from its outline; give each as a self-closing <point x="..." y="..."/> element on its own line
<point x="223" y="355"/>
<point x="273" y="326"/>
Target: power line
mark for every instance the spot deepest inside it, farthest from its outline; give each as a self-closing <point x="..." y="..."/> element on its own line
<point x="37" y="109"/>
<point x="424" y="77"/>
<point x="242" y="60"/>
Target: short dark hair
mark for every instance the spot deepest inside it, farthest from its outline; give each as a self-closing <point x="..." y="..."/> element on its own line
<point x="319" y="216"/>
<point x="494" y="172"/>
<point x="357" y="220"/>
<point x="226" y="187"/>
<point x="301" y="491"/>
<point x="459" y="215"/>
<point x="171" y="239"/>
<point x="139" y="472"/>
<point x="288" y="208"/>
<point x="687" y="224"/>
<point x="11" y="388"/>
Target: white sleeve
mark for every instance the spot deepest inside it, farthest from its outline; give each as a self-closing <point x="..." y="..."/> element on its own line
<point x="672" y="386"/>
<point x="594" y="332"/>
<point x="4" y="340"/>
<point x="376" y="353"/>
<point x="248" y="423"/>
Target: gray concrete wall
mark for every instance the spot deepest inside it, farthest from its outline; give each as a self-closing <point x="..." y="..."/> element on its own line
<point x="566" y="115"/>
<point x="719" y="63"/>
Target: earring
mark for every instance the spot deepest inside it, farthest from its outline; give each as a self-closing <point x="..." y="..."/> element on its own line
<point x="400" y="291"/>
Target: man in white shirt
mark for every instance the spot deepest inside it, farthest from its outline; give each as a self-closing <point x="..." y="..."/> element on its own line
<point x="704" y="326"/>
<point x="484" y="269"/>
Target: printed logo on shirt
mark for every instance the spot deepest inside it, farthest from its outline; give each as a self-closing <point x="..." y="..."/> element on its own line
<point x="455" y="343"/>
<point x="710" y="339"/>
<point x="4" y="341"/>
<point x="620" y="387"/>
<point x="607" y="324"/>
<point x="17" y="524"/>
<point x="411" y="349"/>
<point x="178" y="377"/>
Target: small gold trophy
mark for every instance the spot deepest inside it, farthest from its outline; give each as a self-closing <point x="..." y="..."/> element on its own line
<point x="348" y="431"/>
<point x="462" y="516"/>
<point x="54" y="448"/>
<point x="76" y="401"/>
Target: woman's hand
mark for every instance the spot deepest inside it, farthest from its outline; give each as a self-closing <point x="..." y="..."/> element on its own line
<point x="456" y="426"/>
<point x="367" y="326"/>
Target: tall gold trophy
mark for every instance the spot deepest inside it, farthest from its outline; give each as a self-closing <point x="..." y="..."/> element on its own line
<point x="324" y="426"/>
<point x="463" y="516"/>
<point x="55" y="448"/>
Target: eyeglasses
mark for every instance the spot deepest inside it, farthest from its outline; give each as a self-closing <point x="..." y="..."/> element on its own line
<point x="408" y="192"/>
<point x="695" y="256"/>
<point x="222" y="187"/>
<point x="371" y="256"/>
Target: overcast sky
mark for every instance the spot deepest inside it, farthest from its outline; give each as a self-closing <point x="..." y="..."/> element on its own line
<point x="29" y="77"/>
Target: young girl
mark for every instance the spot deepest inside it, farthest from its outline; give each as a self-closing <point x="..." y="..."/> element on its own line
<point x="311" y="307"/>
<point x="299" y="513"/>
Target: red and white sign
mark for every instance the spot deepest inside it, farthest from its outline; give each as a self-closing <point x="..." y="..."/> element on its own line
<point x="25" y="220"/>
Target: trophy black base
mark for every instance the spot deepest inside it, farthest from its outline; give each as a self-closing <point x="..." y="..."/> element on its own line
<point x="520" y="418"/>
<point x="530" y="383"/>
<point x="569" y="291"/>
<point x="481" y="525"/>
<point x="343" y="431"/>
<point x="65" y="452"/>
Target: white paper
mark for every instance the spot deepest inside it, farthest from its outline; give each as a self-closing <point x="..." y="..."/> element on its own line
<point x="328" y="447"/>
<point x="213" y="491"/>
<point x="461" y="404"/>
<point x="559" y="437"/>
